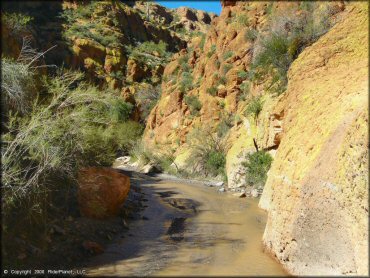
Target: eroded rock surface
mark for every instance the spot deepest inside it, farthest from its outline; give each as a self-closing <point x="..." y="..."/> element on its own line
<point x="317" y="190"/>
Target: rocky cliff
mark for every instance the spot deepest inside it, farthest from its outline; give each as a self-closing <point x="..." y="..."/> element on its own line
<point x="317" y="189"/>
<point x="123" y="45"/>
<point x="314" y="125"/>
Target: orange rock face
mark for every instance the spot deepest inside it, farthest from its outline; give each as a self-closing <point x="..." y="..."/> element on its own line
<point x="101" y="191"/>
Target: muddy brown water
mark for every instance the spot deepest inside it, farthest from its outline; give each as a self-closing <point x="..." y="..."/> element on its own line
<point x="190" y="229"/>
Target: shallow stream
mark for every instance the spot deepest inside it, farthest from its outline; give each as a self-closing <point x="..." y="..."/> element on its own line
<point x="190" y="229"/>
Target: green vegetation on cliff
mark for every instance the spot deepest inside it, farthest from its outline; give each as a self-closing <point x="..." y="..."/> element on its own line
<point x="256" y="166"/>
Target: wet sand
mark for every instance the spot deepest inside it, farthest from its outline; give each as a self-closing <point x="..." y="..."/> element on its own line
<point x="189" y="229"/>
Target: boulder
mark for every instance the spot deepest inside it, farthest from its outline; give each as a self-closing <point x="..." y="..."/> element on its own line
<point x="101" y="191"/>
<point x="254" y="193"/>
<point x="149" y="168"/>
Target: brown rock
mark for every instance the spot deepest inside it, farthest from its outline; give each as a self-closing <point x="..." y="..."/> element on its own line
<point x="135" y="72"/>
<point x="101" y="191"/>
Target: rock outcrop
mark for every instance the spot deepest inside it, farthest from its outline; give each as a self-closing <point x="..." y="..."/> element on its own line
<point x="214" y="70"/>
<point x="101" y="191"/>
<point x="117" y="44"/>
<point x="317" y="189"/>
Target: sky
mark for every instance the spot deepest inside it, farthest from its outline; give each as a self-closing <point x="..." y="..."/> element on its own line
<point x="208" y="6"/>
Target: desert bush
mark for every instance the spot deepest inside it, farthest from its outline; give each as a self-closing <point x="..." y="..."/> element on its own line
<point x="224" y="125"/>
<point x="215" y="163"/>
<point x="242" y="74"/>
<point x="244" y="90"/>
<point x="125" y="135"/>
<point x="290" y="34"/>
<point x="274" y="61"/>
<point x="16" y="22"/>
<point x="207" y="153"/>
<point x="81" y="24"/>
<point x="186" y="82"/>
<point x="18" y="78"/>
<point x="226" y="67"/>
<point x="140" y="153"/>
<point x="194" y="104"/>
<point x="120" y="111"/>
<point x="256" y="166"/>
<point x="212" y="91"/>
<point x="148" y="98"/>
<point x="250" y="35"/>
<point x="222" y="80"/>
<point x="254" y="107"/>
<point x="212" y="51"/>
<point x="73" y="126"/>
<point x="150" y="47"/>
<point x="242" y="20"/>
<point x="228" y="55"/>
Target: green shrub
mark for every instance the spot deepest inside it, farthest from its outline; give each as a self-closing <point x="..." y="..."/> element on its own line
<point x="212" y="51"/>
<point x="222" y="80"/>
<point x="226" y="68"/>
<point x="242" y="20"/>
<point x="120" y="110"/>
<point x="228" y="55"/>
<point x="215" y="163"/>
<point x="140" y="153"/>
<point x="256" y="166"/>
<point x="218" y="64"/>
<point x="224" y="126"/>
<point x="150" y="47"/>
<point x="126" y="134"/>
<point x="207" y="153"/>
<point x="274" y="60"/>
<point x="81" y="24"/>
<point x="16" y="22"/>
<point x="250" y="35"/>
<point x="17" y="85"/>
<point x="242" y="74"/>
<point x="183" y="59"/>
<point x="75" y="125"/>
<point x="194" y="104"/>
<point x="254" y="107"/>
<point x="245" y="90"/>
<point x="212" y="91"/>
<point x="283" y="45"/>
<point x="186" y="82"/>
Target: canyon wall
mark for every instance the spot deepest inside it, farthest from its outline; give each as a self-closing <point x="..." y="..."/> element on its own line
<point x="316" y="193"/>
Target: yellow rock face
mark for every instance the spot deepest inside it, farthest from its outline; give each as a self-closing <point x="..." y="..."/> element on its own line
<point x="317" y="189"/>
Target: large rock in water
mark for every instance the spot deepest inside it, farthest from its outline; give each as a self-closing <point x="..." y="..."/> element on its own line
<point x="101" y="191"/>
<point x="316" y="193"/>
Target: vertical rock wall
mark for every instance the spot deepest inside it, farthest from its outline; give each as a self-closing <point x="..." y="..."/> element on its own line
<point x="317" y="190"/>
